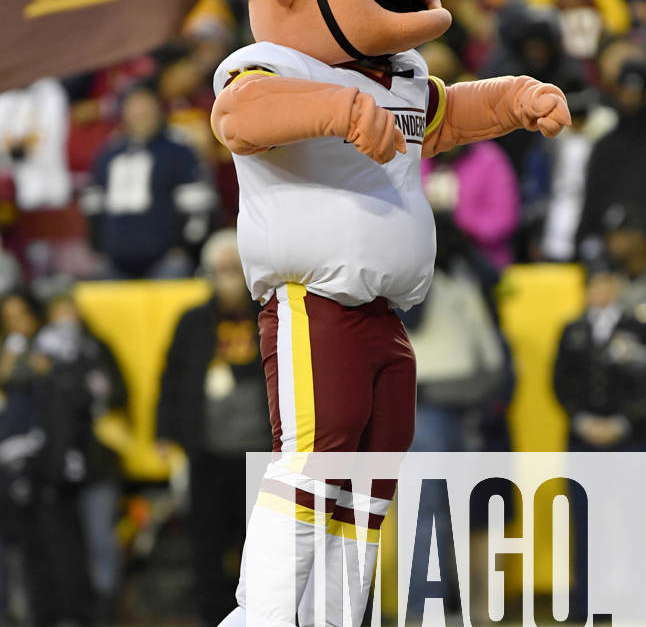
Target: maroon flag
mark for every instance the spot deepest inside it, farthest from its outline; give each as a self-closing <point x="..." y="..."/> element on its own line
<point x="60" y="37"/>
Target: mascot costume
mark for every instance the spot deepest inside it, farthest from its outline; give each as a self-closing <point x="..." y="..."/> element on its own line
<point x="328" y="116"/>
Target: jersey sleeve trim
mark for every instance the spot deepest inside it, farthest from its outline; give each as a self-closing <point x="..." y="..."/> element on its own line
<point x="237" y="77"/>
<point x="435" y="114"/>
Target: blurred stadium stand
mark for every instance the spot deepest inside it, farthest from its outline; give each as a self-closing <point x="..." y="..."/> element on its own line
<point x="568" y="205"/>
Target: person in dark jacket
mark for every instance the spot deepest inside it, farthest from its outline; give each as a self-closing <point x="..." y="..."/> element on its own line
<point x="465" y="383"/>
<point x="213" y="403"/>
<point x="625" y="240"/>
<point x="73" y="350"/>
<point x="46" y="468"/>
<point x="149" y="203"/>
<point x="615" y="170"/>
<point x="57" y="379"/>
<point x="20" y="438"/>
<point x="600" y="369"/>
<point x="599" y="379"/>
<point x="529" y="42"/>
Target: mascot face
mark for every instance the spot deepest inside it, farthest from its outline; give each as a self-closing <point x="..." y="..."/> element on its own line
<point x="337" y="31"/>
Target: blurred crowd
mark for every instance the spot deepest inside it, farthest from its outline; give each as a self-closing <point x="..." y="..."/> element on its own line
<point x="115" y="175"/>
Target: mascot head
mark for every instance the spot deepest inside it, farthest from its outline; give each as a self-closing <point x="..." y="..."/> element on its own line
<point x="337" y="31"/>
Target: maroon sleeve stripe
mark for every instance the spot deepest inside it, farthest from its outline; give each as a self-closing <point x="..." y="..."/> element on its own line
<point x="433" y="101"/>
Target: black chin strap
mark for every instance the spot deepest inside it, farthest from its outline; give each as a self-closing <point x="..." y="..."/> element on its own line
<point x="336" y="31"/>
<point x="381" y="63"/>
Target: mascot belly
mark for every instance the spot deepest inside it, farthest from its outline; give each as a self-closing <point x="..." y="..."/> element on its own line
<point x="322" y="214"/>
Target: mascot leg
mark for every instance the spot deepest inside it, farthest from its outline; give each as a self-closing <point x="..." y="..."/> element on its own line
<point x="339" y="379"/>
<point x="356" y="521"/>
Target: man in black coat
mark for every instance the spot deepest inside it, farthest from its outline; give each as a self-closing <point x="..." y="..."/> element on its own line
<point x="78" y="381"/>
<point x="615" y="170"/>
<point x="600" y="370"/>
<point x="599" y="380"/>
<point x="213" y="403"/>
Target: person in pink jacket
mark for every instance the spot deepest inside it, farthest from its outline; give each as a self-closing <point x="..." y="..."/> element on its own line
<point x="478" y="185"/>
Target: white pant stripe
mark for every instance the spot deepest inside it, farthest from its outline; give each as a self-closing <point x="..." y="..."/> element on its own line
<point x="363" y="503"/>
<point x="286" y="398"/>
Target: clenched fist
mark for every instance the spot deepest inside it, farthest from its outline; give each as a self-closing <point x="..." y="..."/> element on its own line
<point x="543" y="108"/>
<point x="373" y="131"/>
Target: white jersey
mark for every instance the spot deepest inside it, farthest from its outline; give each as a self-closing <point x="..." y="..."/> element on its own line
<point x="319" y="213"/>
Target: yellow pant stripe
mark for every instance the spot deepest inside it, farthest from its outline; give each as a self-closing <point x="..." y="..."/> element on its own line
<point x="308" y="516"/>
<point x="288" y="508"/>
<point x="302" y="370"/>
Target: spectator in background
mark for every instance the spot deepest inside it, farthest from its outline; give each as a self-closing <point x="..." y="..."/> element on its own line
<point x="212" y="25"/>
<point x="187" y="97"/>
<point x="20" y="438"/>
<point x="33" y="143"/>
<point x="465" y="382"/>
<point x="638" y="14"/>
<point x="46" y="469"/>
<point x="625" y="238"/>
<point x="148" y="204"/>
<point x="601" y="367"/>
<point x="10" y="272"/>
<point x="477" y="186"/>
<point x="612" y="56"/>
<point x="186" y="90"/>
<point x="20" y="317"/>
<point x="213" y="403"/>
<point x="615" y="171"/>
<point x="95" y="99"/>
<point x="62" y="485"/>
<point x="582" y="26"/>
<point x="443" y="62"/>
<point x="599" y="380"/>
<point x="555" y="176"/>
<point x="472" y="33"/>
<point x="96" y="96"/>
<point x="103" y="389"/>
<point x="529" y="42"/>
<point x="54" y="547"/>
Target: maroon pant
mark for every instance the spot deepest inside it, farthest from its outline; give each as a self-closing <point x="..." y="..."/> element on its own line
<point x="338" y="378"/>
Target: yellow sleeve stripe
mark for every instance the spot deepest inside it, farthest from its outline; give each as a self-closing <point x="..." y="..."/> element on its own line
<point x="441" y="105"/>
<point x="250" y="72"/>
<point x="238" y="77"/>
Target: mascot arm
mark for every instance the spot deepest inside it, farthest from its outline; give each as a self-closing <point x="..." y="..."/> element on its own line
<point x="486" y="109"/>
<point x="261" y="111"/>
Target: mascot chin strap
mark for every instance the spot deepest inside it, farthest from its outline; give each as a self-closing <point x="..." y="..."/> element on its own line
<point x="398" y="6"/>
<point x="337" y="33"/>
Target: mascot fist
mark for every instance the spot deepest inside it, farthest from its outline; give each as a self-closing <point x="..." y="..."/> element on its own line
<point x="543" y="108"/>
<point x="372" y="130"/>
